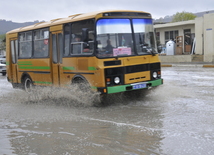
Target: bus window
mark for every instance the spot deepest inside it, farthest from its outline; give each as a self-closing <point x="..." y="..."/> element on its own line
<point x="25" y="44"/>
<point x="57" y="48"/>
<point x="54" y="48"/>
<point x="144" y="36"/>
<point x="16" y="49"/>
<point x="114" y="38"/>
<point x="67" y="39"/>
<point x="41" y="39"/>
<point x="78" y="45"/>
<point x="13" y="52"/>
<point x="60" y="42"/>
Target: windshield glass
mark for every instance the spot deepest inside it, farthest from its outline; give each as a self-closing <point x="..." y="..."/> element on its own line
<point x="114" y="37"/>
<point x="144" y="36"/>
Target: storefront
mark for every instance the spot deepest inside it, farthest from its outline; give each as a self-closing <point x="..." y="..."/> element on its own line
<point x="193" y="37"/>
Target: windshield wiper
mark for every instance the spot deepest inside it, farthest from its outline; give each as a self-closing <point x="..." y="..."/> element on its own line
<point x="145" y="46"/>
<point x="150" y="50"/>
<point x="147" y="49"/>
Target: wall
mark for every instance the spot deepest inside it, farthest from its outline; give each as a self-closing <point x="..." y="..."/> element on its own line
<point x="199" y="34"/>
<point x="209" y="37"/>
<point x="175" y="58"/>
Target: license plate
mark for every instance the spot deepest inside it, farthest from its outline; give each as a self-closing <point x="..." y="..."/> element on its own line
<point x="139" y="86"/>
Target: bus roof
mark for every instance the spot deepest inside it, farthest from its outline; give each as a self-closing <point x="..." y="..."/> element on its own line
<point x="71" y="18"/>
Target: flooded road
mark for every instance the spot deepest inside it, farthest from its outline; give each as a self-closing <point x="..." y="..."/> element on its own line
<point x="175" y="118"/>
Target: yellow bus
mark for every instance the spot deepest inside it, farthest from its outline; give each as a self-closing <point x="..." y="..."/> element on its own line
<point x="112" y="51"/>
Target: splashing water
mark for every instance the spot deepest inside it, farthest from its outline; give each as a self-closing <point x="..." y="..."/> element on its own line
<point x="73" y="96"/>
<point x="70" y="96"/>
<point x="64" y="96"/>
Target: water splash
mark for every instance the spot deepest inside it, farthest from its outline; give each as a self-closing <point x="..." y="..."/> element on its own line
<point x="71" y="96"/>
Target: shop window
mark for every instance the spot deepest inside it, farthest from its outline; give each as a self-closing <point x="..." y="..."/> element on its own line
<point x="170" y="35"/>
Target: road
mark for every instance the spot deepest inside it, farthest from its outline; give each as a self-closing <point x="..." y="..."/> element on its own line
<point x="176" y="118"/>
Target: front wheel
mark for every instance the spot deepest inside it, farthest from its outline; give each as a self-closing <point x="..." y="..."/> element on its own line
<point x="27" y="84"/>
<point x="82" y="85"/>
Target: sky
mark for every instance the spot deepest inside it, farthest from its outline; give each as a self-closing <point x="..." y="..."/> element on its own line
<point x="45" y="10"/>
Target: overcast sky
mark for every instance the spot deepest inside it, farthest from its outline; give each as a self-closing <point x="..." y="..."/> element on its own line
<point x="31" y="10"/>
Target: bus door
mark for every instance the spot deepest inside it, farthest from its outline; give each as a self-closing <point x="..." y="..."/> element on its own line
<point x="57" y="52"/>
<point x="13" y="65"/>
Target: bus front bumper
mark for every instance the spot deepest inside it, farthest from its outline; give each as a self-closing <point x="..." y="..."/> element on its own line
<point x="130" y="87"/>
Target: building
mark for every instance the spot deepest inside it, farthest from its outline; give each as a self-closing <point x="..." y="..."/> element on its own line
<point x="194" y="39"/>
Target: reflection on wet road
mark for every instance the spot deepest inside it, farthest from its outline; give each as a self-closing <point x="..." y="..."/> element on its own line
<point x="175" y="118"/>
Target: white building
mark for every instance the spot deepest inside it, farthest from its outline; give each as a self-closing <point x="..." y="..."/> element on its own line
<point x="183" y="33"/>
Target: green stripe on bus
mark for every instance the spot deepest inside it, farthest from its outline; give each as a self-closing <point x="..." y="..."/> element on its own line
<point x="25" y="63"/>
<point x="117" y="89"/>
<point x="157" y="82"/>
<point x="92" y="68"/>
<point x="68" y="68"/>
<point x="93" y="87"/>
<point x="41" y="82"/>
<point x="34" y="67"/>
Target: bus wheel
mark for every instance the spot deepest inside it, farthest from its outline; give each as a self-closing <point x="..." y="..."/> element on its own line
<point x="81" y="84"/>
<point x="27" y="84"/>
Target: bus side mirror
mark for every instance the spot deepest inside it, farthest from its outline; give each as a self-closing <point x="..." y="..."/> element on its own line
<point x="85" y="35"/>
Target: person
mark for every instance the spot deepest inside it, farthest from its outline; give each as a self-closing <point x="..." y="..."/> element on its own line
<point x="45" y="50"/>
<point x="38" y="52"/>
<point x="76" y="45"/>
<point x="77" y="38"/>
<point x="109" y="47"/>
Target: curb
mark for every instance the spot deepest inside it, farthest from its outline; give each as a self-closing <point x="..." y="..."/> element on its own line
<point x="166" y="65"/>
<point x="208" y="66"/>
<point x="187" y="65"/>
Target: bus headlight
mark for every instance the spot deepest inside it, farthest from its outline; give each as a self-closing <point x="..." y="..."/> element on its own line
<point x="116" y="80"/>
<point x="155" y="75"/>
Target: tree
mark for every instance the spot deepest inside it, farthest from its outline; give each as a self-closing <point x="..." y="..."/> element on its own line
<point x="2" y="42"/>
<point x="183" y="16"/>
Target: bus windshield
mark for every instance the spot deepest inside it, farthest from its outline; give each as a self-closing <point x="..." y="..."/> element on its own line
<point x="115" y="39"/>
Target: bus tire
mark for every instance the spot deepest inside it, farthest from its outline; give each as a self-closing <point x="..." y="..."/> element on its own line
<point x="27" y="84"/>
<point x="81" y="83"/>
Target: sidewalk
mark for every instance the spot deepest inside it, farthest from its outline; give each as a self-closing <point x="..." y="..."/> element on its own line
<point x="189" y="64"/>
